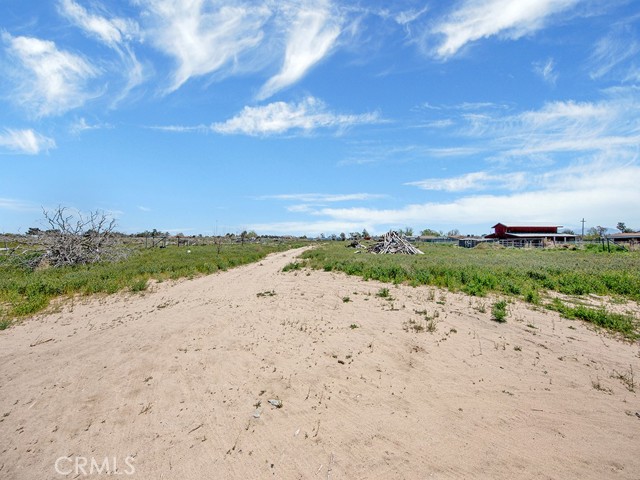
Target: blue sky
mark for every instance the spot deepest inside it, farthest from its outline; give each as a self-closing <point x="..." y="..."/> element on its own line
<point x="309" y="117"/>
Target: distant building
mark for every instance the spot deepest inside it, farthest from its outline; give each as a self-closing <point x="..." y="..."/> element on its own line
<point x="525" y="235"/>
<point x="627" y="237"/>
<point x="471" y="242"/>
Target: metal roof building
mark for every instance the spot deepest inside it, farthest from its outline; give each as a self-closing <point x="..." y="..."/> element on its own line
<point x="530" y="232"/>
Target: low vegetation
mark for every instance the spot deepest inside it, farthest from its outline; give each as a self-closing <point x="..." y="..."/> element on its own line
<point x="25" y="290"/>
<point x="627" y="325"/>
<point x="526" y="274"/>
<point x="499" y="311"/>
<point x="481" y="271"/>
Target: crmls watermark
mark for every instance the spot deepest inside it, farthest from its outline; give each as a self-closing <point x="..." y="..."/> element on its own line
<point x="86" y="466"/>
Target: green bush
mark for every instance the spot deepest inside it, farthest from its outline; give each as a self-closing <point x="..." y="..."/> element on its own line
<point x="383" y="293"/>
<point x="499" y="311"/>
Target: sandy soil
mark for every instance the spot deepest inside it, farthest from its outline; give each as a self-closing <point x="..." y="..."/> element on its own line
<point x="174" y="383"/>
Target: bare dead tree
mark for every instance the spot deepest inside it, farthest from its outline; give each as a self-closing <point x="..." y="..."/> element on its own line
<point x="77" y="239"/>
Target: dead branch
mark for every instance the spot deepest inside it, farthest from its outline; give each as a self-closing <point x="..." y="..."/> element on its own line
<point x="79" y="239"/>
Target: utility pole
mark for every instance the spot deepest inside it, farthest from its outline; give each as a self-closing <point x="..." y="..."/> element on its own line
<point x="582" y="237"/>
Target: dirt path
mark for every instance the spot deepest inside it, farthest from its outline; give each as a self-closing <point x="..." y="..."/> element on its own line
<point x="174" y="383"/>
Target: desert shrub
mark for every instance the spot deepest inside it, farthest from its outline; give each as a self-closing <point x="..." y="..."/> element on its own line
<point x="383" y="293"/>
<point x="292" y="266"/>
<point x="499" y="311"/>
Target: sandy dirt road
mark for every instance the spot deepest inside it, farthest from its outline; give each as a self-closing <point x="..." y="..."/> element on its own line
<point x="174" y="383"/>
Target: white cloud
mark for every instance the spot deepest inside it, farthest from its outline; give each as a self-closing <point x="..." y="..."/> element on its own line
<point x="324" y="197"/>
<point x="181" y="128"/>
<point x="477" y="19"/>
<point x="559" y="114"/>
<point x="17" y="205"/>
<point x="379" y="153"/>
<point x="408" y="16"/>
<point x="443" y="123"/>
<point x="559" y="127"/>
<point x="546" y="71"/>
<point x="81" y="125"/>
<point x="280" y="117"/>
<point x="313" y="228"/>
<point x="218" y="39"/>
<point x="112" y="32"/>
<point x="601" y="191"/>
<point x="312" y="34"/>
<point x="473" y="181"/>
<point x="25" y="141"/>
<point x="203" y="37"/>
<point x="48" y="81"/>
<point x="613" y="51"/>
<point x="115" y="33"/>
<point x="576" y="127"/>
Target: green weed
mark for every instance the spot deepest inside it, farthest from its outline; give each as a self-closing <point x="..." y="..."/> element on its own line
<point x="24" y="291"/>
<point x="138" y="285"/>
<point x="383" y="293"/>
<point x="617" y="322"/>
<point x="517" y="272"/>
<point x="499" y="311"/>
<point x="292" y="266"/>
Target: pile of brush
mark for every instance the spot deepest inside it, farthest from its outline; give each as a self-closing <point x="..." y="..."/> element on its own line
<point x="394" y="242"/>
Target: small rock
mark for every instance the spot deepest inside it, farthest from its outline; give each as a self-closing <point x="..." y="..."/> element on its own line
<point x="276" y="403"/>
<point x="257" y="413"/>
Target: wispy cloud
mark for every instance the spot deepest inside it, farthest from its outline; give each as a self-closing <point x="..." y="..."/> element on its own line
<point x="324" y="197"/>
<point x="614" y="50"/>
<point x="203" y="37"/>
<point x="48" y="81"/>
<point x="560" y="130"/>
<point x="25" y="141"/>
<point x="575" y="127"/>
<point x="380" y="153"/>
<point x="546" y="71"/>
<point x="14" y="205"/>
<point x="81" y="125"/>
<point x="181" y="128"/>
<point x="113" y="32"/>
<point x="406" y="17"/>
<point x="611" y="123"/>
<point x="463" y="106"/>
<point x="561" y="195"/>
<point x="477" y="19"/>
<point x="473" y="181"/>
<point x="280" y="117"/>
<point x="312" y="34"/>
<point x="312" y="228"/>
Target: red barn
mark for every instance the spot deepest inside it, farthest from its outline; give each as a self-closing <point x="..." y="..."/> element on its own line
<point x="530" y="233"/>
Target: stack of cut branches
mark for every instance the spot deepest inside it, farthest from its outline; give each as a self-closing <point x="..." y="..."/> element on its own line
<point x="394" y="242"/>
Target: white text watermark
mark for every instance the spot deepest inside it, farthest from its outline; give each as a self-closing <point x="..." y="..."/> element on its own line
<point x="87" y="466"/>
